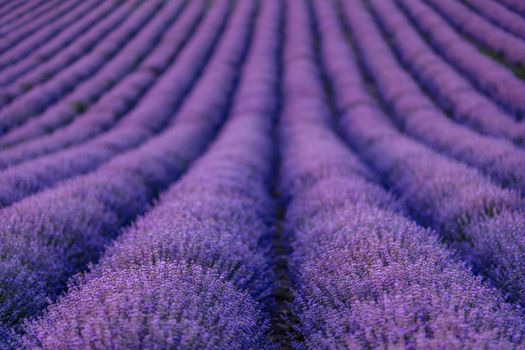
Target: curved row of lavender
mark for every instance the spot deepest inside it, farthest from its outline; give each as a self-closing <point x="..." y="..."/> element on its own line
<point x="418" y="116"/>
<point x="102" y="100"/>
<point x="482" y="220"/>
<point x="21" y="84"/>
<point x="36" y="51"/>
<point x="144" y="121"/>
<point x="30" y="10"/>
<point x="37" y="23"/>
<point x="451" y="91"/>
<point x="49" y="54"/>
<point x="365" y="277"/>
<point x="63" y="24"/>
<point x="194" y="272"/>
<point x="40" y="97"/>
<point x="53" y="235"/>
<point x="499" y="15"/>
<point x="12" y="9"/>
<point x="139" y="149"/>
<point x="27" y="16"/>
<point x="481" y="30"/>
<point x="488" y="75"/>
<point x="515" y="5"/>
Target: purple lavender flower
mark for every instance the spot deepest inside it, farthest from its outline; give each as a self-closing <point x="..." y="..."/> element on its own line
<point x="364" y="275"/>
<point x="155" y="306"/>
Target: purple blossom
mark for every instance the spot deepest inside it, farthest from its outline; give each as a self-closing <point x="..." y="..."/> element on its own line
<point x="439" y="192"/>
<point x="154" y="306"/>
<point x="225" y="174"/>
<point x="195" y="268"/>
<point x="418" y="116"/>
<point x="364" y="275"/>
<point x="450" y="90"/>
<point x="481" y="30"/>
<point x="54" y="234"/>
<point x="497" y="81"/>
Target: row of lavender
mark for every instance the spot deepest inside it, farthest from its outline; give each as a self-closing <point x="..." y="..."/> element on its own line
<point x="171" y="252"/>
<point x="110" y="93"/>
<point x="195" y="271"/>
<point x="148" y="117"/>
<point x="81" y="215"/>
<point x="487" y="75"/>
<point x="379" y="280"/>
<point x="77" y="102"/>
<point x="38" y="98"/>
<point x="480" y="218"/>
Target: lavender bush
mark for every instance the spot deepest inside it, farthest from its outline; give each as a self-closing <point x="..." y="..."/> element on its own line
<point x="440" y="192"/>
<point x="35" y="92"/>
<point x="82" y="215"/>
<point x="419" y="117"/>
<point x="212" y="226"/>
<point x="262" y="174"/>
<point x="481" y="30"/>
<point x="488" y="75"/>
<point x="365" y="276"/>
<point x="449" y="89"/>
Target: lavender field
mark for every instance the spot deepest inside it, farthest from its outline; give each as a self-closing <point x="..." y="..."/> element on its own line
<point x="262" y="174"/>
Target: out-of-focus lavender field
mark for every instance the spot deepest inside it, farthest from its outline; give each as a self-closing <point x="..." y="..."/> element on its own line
<point x="262" y="174"/>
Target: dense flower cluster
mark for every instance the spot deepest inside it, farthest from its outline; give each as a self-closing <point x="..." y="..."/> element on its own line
<point x="488" y="75"/>
<point x="477" y="27"/>
<point x="365" y="276"/>
<point x="500" y="15"/>
<point x="159" y="306"/>
<point x="50" y="236"/>
<point x="25" y="100"/>
<point x="262" y="174"/>
<point x="419" y="117"/>
<point x="453" y="92"/>
<point x="438" y="191"/>
<point x="201" y="254"/>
